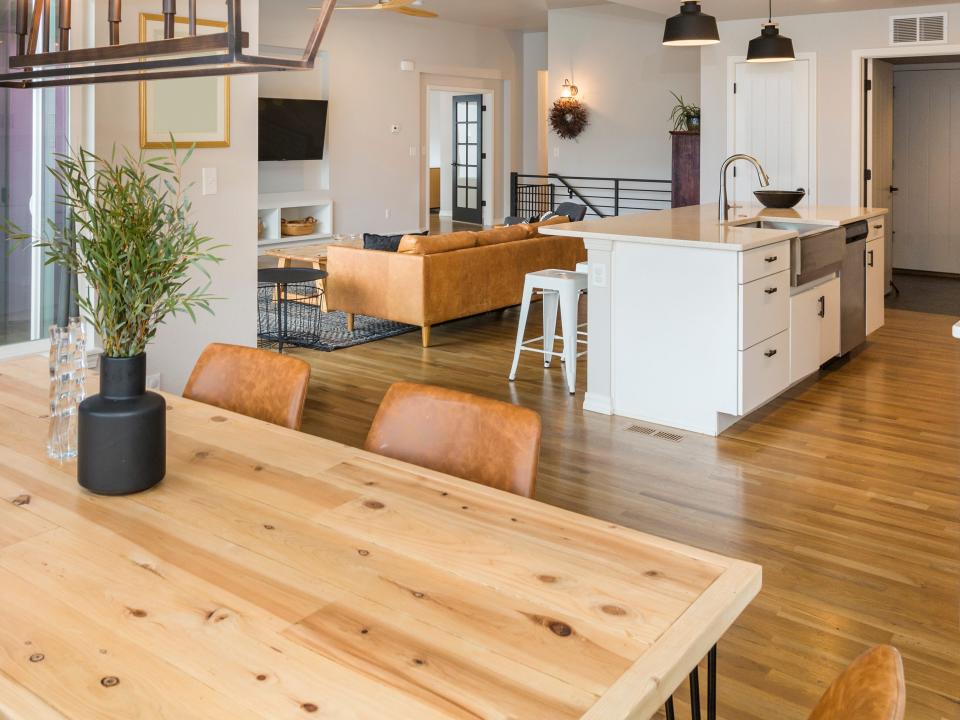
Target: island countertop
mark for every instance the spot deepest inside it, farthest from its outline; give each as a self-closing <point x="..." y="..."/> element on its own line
<point x="698" y="226"/>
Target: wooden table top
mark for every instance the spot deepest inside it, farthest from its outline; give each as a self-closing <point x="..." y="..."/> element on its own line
<point x="310" y="253"/>
<point x="275" y="574"/>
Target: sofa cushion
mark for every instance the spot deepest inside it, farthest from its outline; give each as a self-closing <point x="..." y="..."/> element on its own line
<point x="387" y="243"/>
<point x="433" y="244"/>
<point x="503" y="235"/>
<point x="558" y="220"/>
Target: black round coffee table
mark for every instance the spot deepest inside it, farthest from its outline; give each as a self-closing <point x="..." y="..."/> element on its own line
<point x="283" y="278"/>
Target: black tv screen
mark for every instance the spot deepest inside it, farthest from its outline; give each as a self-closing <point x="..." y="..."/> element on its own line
<point x="292" y="129"/>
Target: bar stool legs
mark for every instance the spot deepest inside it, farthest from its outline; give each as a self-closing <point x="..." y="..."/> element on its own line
<point x="561" y="291"/>
<point x="695" y="711"/>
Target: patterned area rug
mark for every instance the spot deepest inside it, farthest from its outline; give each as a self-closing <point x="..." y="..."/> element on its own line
<point x="308" y="327"/>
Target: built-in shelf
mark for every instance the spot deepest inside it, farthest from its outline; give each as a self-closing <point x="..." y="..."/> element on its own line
<point x="298" y="205"/>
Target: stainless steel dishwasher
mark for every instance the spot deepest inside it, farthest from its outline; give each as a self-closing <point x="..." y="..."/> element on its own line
<point x="853" y="288"/>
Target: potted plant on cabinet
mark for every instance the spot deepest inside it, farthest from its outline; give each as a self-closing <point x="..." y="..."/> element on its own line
<point x="685" y="116"/>
<point x="129" y="236"/>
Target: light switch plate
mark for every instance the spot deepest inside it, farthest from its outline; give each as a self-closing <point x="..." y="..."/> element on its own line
<point x="211" y="183"/>
<point x="599" y="272"/>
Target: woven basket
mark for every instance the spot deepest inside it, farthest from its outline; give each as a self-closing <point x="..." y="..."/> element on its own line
<point x="295" y="228"/>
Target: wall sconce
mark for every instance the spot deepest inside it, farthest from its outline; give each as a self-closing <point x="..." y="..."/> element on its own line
<point x="569" y="91"/>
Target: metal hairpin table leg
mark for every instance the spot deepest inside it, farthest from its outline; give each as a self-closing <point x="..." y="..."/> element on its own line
<point x="695" y="694"/>
<point x="669" y="709"/>
<point x="280" y="303"/>
<point x="712" y="684"/>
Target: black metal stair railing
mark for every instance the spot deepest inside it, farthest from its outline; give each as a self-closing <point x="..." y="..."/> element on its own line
<point x="532" y="195"/>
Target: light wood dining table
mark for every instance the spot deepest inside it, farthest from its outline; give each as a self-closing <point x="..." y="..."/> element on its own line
<point x="274" y="574"/>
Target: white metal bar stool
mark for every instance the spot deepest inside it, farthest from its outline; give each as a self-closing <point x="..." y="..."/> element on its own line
<point x="561" y="289"/>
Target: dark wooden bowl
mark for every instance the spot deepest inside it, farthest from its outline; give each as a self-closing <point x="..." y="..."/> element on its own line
<point x="780" y="199"/>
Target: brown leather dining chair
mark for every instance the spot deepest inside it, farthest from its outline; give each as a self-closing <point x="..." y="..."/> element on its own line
<point x="871" y="688"/>
<point x="251" y="382"/>
<point x="486" y="441"/>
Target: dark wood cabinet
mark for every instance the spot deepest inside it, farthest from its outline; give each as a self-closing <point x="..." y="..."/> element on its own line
<point x="686" y="168"/>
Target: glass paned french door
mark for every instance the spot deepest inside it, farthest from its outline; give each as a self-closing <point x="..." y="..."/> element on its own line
<point x="33" y="128"/>
<point x="468" y="158"/>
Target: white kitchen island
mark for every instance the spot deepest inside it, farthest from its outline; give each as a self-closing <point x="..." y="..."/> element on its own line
<point x="690" y="320"/>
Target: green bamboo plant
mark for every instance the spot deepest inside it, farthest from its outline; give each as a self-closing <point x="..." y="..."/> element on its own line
<point x="129" y="235"/>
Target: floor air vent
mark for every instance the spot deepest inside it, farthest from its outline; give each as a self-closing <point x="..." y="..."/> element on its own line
<point x="653" y="432"/>
<point x="930" y="28"/>
<point x="672" y="437"/>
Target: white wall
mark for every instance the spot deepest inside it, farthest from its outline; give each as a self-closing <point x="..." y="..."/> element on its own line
<point x="534" y="61"/>
<point x="833" y="37"/>
<point x="230" y="216"/>
<point x="615" y="56"/>
<point x="373" y="171"/>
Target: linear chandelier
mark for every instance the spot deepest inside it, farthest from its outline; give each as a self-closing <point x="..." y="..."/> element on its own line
<point x="36" y="64"/>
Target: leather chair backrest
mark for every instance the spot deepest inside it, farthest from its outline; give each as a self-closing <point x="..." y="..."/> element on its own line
<point x="251" y="382"/>
<point x="487" y="441"/>
<point x="871" y="688"/>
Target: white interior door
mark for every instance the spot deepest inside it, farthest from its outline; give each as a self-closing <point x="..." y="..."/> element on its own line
<point x="926" y="157"/>
<point x="774" y="106"/>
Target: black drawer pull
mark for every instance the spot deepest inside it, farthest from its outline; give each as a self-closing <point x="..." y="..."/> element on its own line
<point x="771" y="291"/>
<point x="823" y="306"/>
<point x="771" y="258"/>
<point x="878" y="227"/>
<point x="870" y="258"/>
<point x="770" y="353"/>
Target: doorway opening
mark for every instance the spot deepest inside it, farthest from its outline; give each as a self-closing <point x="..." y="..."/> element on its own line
<point x="907" y="163"/>
<point x="461" y="142"/>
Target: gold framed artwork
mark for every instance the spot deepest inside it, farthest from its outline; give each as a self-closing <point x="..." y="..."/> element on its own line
<point x="196" y="111"/>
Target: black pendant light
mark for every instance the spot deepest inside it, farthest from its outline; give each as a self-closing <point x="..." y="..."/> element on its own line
<point x="770" y="46"/>
<point x="691" y="27"/>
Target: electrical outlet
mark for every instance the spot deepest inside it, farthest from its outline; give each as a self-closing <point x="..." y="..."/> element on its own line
<point x="210" y="181"/>
<point x="395" y="129"/>
<point x="153" y="381"/>
<point x="599" y="272"/>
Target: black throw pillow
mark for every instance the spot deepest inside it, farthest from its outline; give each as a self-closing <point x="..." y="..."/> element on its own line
<point x="387" y="243"/>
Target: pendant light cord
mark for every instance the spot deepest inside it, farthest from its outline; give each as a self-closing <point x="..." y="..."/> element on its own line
<point x="770" y="17"/>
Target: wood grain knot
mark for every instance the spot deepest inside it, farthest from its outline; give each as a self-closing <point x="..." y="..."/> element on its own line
<point x="464" y="507"/>
<point x="261" y="677"/>
<point x="218" y="419"/>
<point x="652" y="573"/>
<point x="309" y="707"/>
<point x="549" y="579"/>
<point x="444" y="494"/>
<point x="614" y="610"/>
<point x="560" y="628"/>
<point x="137" y="612"/>
<point x="364" y="631"/>
<point x="21" y="500"/>
<point x="201" y="455"/>
<point x="370" y="483"/>
<point x="110" y="681"/>
<point x="217" y="616"/>
<point x="258" y="468"/>
<point x="37" y="657"/>
<point x="419" y="661"/>
<point x="418" y="595"/>
<point x="363" y="553"/>
<point x="513" y="520"/>
<point x="268" y="526"/>
<point x="374" y="505"/>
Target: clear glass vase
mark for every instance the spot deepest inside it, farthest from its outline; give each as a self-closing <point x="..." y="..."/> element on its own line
<point x="68" y="374"/>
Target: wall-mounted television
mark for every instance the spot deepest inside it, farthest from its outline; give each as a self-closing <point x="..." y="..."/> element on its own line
<point x="292" y="129"/>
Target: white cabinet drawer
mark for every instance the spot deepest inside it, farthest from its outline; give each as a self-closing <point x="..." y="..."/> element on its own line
<point x="768" y="260"/>
<point x="764" y="308"/>
<point x="764" y="371"/>
<point x="876" y="227"/>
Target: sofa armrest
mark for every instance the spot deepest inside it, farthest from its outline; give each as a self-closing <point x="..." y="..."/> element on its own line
<point x="386" y="285"/>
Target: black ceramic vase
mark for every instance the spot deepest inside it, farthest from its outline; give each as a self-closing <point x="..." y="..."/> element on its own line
<point x="122" y="432"/>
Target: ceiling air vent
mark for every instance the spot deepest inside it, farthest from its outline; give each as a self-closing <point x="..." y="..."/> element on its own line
<point x="918" y="29"/>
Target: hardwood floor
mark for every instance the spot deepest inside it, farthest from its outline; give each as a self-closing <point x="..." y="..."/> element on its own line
<point x="846" y="491"/>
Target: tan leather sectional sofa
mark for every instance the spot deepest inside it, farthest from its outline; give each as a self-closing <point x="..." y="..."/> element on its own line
<point x="435" y="278"/>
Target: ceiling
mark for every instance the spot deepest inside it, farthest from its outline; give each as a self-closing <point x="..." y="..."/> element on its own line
<point x="531" y="15"/>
